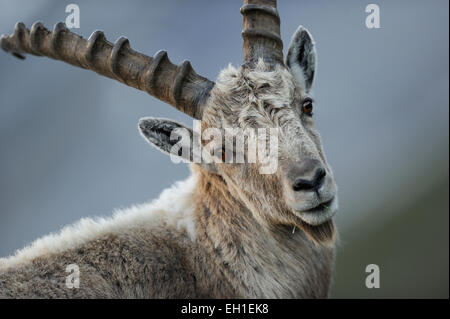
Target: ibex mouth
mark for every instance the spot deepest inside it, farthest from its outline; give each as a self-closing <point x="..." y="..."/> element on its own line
<point x="319" y="214"/>
<point x="321" y="207"/>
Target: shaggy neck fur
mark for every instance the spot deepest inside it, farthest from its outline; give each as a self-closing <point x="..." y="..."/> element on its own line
<point x="196" y="240"/>
<point x="258" y="261"/>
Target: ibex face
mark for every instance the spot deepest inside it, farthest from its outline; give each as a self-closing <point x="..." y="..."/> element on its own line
<point x="264" y="92"/>
<point x="301" y="190"/>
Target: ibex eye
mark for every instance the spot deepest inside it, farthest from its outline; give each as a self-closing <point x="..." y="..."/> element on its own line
<point x="307" y="107"/>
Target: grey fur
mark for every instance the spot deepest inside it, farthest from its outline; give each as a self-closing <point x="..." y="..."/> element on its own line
<point x="161" y="263"/>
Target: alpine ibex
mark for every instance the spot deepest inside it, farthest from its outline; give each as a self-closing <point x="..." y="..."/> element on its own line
<point x="228" y="231"/>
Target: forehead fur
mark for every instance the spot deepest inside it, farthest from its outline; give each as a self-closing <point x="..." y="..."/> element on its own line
<point x="252" y="97"/>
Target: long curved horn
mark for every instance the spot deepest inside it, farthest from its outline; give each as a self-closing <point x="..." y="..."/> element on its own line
<point x="261" y="32"/>
<point x="178" y="86"/>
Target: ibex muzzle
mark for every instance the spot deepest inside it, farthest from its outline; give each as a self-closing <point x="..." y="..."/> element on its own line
<point x="310" y="191"/>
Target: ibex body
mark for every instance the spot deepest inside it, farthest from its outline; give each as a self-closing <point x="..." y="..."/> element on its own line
<point x="228" y="231"/>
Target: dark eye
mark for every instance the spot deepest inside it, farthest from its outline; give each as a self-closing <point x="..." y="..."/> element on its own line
<point x="307" y="107"/>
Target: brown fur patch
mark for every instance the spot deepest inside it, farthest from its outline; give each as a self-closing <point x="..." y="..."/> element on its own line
<point x="324" y="234"/>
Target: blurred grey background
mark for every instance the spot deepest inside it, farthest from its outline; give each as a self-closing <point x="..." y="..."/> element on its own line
<point x="69" y="144"/>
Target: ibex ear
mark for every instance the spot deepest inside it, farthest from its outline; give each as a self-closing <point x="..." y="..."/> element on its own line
<point x="301" y="58"/>
<point x="168" y="136"/>
<point x="172" y="138"/>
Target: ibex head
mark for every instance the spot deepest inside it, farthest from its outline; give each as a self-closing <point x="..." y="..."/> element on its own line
<point x="264" y="92"/>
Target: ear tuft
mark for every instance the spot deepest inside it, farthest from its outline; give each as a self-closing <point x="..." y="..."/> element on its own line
<point x="301" y="58"/>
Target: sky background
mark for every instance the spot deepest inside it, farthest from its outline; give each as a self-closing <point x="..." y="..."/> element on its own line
<point x="70" y="148"/>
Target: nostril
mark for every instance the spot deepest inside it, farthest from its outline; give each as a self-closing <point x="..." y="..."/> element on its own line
<point x="319" y="176"/>
<point x="314" y="184"/>
<point x="301" y="184"/>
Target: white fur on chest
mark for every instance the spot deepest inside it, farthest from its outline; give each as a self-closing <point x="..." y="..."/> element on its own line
<point x="174" y="207"/>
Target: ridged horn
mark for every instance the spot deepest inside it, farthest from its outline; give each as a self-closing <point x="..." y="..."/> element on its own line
<point x="261" y="32"/>
<point x="176" y="85"/>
